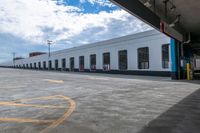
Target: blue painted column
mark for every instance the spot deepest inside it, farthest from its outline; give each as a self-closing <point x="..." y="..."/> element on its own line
<point x="174" y="71"/>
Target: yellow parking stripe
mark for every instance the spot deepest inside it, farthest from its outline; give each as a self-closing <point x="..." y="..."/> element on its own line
<point x="53" y="123"/>
<point x="38" y="98"/>
<point x="68" y="112"/>
<point x="55" y="81"/>
<point x="23" y="120"/>
<point x="30" y="105"/>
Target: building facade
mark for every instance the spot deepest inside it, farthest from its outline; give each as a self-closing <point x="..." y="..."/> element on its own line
<point x="146" y="53"/>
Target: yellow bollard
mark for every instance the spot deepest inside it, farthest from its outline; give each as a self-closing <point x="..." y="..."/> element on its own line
<point x="188" y="71"/>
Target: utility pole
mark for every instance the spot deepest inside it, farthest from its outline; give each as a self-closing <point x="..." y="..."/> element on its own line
<point x="49" y="42"/>
<point x="14" y="58"/>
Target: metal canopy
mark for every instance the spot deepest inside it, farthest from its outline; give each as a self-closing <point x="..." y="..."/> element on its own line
<point x="187" y="9"/>
<point x="137" y="9"/>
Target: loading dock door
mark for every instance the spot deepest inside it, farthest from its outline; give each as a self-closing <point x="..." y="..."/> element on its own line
<point x="196" y="67"/>
<point x="81" y="63"/>
<point x="44" y="65"/>
<point x="106" y="61"/>
<point x="39" y="65"/>
<point x="63" y="64"/>
<point x="50" y="65"/>
<point x="72" y="64"/>
<point x="123" y="61"/>
<point x="93" y="62"/>
<point x="56" y="64"/>
<point x="35" y="66"/>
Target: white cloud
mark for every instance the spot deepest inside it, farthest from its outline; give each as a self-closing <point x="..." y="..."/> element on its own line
<point x="35" y="21"/>
<point x="100" y="2"/>
<point x="82" y="1"/>
<point x="26" y="18"/>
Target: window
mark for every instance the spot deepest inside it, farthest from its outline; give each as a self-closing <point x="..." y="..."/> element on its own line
<point x="63" y="64"/>
<point x="165" y="56"/>
<point x="81" y="63"/>
<point x="23" y="65"/>
<point x="56" y="64"/>
<point x="123" y="60"/>
<point x="39" y="65"/>
<point x="50" y="65"/>
<point x="35" y="66"/>
<point x="72" y="64"/>
<point x="31" y="65"/>
<point x="106" y="61"/>
<point x="93" y="62"/>
<point x="26" y="65"/>
<point x="44" y="64"/>
<point x="143" y="58"/>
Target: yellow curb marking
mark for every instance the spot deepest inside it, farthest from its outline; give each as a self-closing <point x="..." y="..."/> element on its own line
<point x="68" y="112"/>
<point x="53" y="123"/>
<point x="37" y="98"/>
<point x="30" y="105"/>
<point x="25" y="120"/>
<point x="54" y="81"/>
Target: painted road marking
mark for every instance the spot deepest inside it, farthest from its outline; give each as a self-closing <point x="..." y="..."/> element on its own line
<point x="53" y="123"/>
<point x="54" y="81"/>
<point x="30" y="105"/>
<point x="68" y="112"/>
<point x="38" y="98"/>
<point x="25" y="120"/>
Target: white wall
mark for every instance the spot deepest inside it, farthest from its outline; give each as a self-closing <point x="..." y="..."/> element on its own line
<point x="7" y="64"/>
<point x="197" y="63"/>
<point x="152" y="39"/>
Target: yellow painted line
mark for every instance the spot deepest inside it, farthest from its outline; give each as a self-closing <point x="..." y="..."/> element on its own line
<point x="55" y="81"/>
<point x="38" y="98"/>
<point x="24" y="120"/>
<point x="68" y="112"/>
<point x="53" y="123"/>
<point x="30" y="105"/>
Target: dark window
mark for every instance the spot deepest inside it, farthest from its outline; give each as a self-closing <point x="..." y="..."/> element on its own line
<point x="44" y="64"/>
<point x="72" y="64"/>
<point x="26" y="65"/>
<point x="93" y="62"/>
<point x="56" y="64"/>
<point x="81" y="63"/>
<point x="23" y="65"/>
<point x="123" y="60"/>
<point x="39" y="65"/>
<point x="165" y="56"/>
<point x="63" y="64"/>
<point x="50" y="65"/>
<point x="31" y="65"/>
<point x="35" y="66"/>
<point x="106" y="61"/>
<point x="143" y="58"/>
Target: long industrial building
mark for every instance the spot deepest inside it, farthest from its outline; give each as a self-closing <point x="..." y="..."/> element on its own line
<point x="146" y="53"/>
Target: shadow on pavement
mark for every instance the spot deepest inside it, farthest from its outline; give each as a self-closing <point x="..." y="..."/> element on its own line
<point x="184" y="117"/>
<point x="194" y="81"/>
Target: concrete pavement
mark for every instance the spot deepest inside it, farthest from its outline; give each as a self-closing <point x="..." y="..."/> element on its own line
<point x="32" y="101"/>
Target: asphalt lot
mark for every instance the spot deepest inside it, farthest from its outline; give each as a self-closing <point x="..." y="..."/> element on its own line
<point x="37" y="101"/>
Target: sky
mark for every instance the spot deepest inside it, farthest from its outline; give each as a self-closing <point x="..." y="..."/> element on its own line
<point x="26" y="25"/>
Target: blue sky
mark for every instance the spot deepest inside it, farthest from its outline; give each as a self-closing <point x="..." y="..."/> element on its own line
<point x="25" y="25"/>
